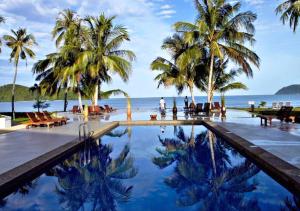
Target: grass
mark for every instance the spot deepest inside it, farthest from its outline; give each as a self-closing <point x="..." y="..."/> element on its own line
<point x="296" y="110"/>
<point x="20" y="120"/>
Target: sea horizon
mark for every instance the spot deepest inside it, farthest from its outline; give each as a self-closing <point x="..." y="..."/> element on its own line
<point x="146" y="103"/>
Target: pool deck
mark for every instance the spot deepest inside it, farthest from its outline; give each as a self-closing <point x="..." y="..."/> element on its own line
<point x="21" y="146"/>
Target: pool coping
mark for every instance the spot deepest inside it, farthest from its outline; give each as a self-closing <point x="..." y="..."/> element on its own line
<point x="285" y="173"/>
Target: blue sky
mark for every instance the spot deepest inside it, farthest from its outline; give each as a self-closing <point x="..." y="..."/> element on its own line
<point x="149" y="22"/>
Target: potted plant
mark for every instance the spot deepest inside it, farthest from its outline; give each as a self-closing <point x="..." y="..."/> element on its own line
<point x="174" y="107"/>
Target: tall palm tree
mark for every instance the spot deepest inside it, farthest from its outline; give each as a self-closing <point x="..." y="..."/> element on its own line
<point x="223" y="31"/>
<point x="64" y="21"/>
<point x="2" y="20"/>
<point x="103" y="54"/>
<point x="289" y="10"/>
<point x="47" y="71"/>
<point x="181" y="71"/>
<point x="222" y="81"/>
<point x="21" y="45"/>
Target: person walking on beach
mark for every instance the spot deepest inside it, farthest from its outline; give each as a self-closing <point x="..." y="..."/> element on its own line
<point x="186" y="102"/>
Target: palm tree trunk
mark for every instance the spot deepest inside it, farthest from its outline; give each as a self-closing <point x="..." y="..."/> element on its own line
<point x="191" y="86"/>
<point x="79" y="100"/>
<point x="78" y="77"/>
<point x="13" y="93"/>
<point x="95" y="97"/>
<point x="211" y="69"/>
<point x="66" y="100"/>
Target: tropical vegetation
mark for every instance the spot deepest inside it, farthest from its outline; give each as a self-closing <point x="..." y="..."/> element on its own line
<point x="20" y="43"/>
<point x="88" y="52"/>
<point x="290" y="12"/>
<point x="221" y="33"/>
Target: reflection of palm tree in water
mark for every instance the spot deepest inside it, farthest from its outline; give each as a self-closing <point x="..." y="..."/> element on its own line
<point x="194" y="178"/>
<point x="99" y="183"/>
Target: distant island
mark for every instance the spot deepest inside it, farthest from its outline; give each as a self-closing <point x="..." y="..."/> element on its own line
<point x="23" y="94"/>
<point x="289" y="90"/>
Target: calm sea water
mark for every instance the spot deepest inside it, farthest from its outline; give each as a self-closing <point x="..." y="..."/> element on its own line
<point x="150" y="103"/>
<point x="171" y="168"/>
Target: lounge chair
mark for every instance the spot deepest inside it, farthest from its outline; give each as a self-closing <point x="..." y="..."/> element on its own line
<point x="280" y="105"/>
<point x="274" y="105"/>
<point x="192" y="108"/>
<point x="34" y="121"/>
<point x="98" y="110"/>
<point x="75" y="109"/>
<point x="288" y="104"/>
<point x="284" y="114"/>
<point x="91" y="110"/>
<point x="199" y="108"/>
<point x="109" y="109"/>
<point x="50" y="118"/>
<point x="95" y="110"/>
<point x="206" y="108"/>
<point x="42" y="117"/>
<point x="217" y="107"/>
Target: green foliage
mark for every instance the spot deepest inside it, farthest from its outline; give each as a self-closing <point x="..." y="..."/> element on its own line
<point x="24" y="94"/>
<point x="262" y="104"/>
<point x="290" y="12"/>
<point x="224" y="33"/>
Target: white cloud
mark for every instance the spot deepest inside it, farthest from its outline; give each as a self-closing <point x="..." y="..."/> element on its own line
<point x="166" y="7"/>
<point x="147" y="29"/>
<point x="167" y="12"/>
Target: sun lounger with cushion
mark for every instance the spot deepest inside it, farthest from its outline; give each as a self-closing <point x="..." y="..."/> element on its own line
<point x="50" y="118"/>
<point x="217" y="106"/>
<point x="34" y="121"/>
<point x="199" y="107"/>
<point x="274" y="105"/>
<point x="42" y="117"/>
<point x="75" y="109"/>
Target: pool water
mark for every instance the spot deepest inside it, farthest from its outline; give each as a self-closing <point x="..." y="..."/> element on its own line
<point x="154" y="168"/>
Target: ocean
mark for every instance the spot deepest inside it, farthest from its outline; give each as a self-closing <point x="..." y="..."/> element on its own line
<point x="152" y="103"/>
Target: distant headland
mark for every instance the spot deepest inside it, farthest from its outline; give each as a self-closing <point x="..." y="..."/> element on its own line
<point x="289" y="90"/>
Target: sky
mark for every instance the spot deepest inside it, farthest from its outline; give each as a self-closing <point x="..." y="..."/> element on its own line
<point x="149" y="22"/>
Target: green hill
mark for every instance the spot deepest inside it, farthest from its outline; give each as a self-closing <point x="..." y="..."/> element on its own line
<point x="23" y="94"/>
<point x="289" y="90"/>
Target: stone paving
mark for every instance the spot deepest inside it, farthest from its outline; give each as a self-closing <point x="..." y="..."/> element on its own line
<point x="23" y="145"/>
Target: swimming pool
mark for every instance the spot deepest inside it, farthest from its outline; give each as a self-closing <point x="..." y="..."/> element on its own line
<point x="153" y="168"/>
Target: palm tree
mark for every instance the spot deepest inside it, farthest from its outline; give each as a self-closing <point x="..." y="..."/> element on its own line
<point x="47" y="71"/>
<point x="2" y="20"/>
<point x="289" y="10"/>
<point x="222" y="81"/>
<point x="223" y="32"/>
<point x="103" y="54"/>
<point x="64" y="21"/>
<point x="181" y="72"/>
<point x="20" y="43"/>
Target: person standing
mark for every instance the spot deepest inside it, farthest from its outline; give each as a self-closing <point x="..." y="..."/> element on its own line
<point x="186" y="102"/>
<point x="162" y="104"/>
